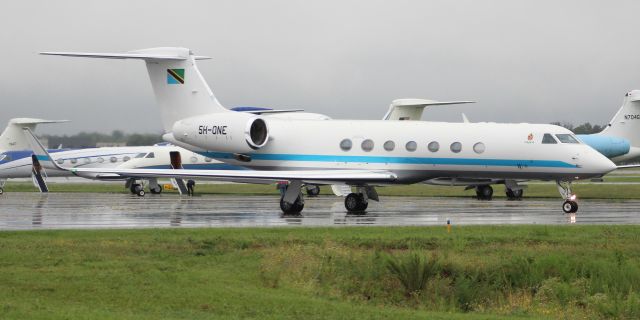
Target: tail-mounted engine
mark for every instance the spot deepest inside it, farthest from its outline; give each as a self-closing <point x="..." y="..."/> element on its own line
<point x="257" y="133"/>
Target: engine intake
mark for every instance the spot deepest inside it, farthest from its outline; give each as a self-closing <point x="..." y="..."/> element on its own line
<point x="257" y="133"/>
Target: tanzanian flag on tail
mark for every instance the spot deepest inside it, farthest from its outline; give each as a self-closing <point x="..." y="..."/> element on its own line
<point x="175" y="76"/>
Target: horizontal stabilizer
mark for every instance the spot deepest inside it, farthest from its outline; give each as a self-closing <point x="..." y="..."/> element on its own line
<point x="25" y="121"/>
<point x="12" y="137"/>
<point x="145" y="54"/>
<point x="424" y="102"/>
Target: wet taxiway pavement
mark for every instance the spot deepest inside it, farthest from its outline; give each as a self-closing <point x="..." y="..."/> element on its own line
<point x="94" y="210"/>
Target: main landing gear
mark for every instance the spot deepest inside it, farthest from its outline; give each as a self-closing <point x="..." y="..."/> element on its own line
<point x="484" y="192"/>
<point x="137" y="188"/>
<point x="357" y="202"/>
<point x="292" y="200"/>
<point x="569" y="205"/>
<point x="514" y="194"/>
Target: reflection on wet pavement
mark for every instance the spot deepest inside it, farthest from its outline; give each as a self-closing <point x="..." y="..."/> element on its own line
<point x="94" y="210"/>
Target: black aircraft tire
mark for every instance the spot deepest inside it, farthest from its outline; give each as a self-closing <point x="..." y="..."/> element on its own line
<point x="313" y="191"/>
<point x="156" y="191"/>
<point x="134" y="188"/>
<point x="569" y="206"/>
<point x="291" y="208"/>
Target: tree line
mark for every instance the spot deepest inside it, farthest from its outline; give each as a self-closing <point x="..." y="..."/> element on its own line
<point x="585" y="128"/>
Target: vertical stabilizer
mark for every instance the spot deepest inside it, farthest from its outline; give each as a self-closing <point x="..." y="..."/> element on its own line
<point x="626" y="123"/>
<point x="180" y="90"/>
<point x="12" y="138"/>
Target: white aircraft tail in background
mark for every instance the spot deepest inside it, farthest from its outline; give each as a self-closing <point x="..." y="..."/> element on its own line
<point x="12" y="138"/>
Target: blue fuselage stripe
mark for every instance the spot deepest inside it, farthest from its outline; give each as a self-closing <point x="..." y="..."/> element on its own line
<point x="399" y="160"/>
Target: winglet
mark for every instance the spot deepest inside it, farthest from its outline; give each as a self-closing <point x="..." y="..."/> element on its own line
<point x="40" y="152"/>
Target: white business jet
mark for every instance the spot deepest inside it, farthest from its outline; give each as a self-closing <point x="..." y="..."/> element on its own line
<point x="359" y="153"/>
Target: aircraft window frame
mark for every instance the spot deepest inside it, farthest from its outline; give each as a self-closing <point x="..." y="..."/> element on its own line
<point x="567" y="138"/>
<point x="113" y="159"/>
<point x="455" y="147"/>
<point x="126" y="158"/>
<point x="86" y="160"/>
<point x="433" y="146"/>
<point x="100" y="160"/>
<point x="207" y="159"/>
<point x="74" y="160"/>
<point x="140" y="155"/>
<point x="2" y="156"/>
<point x="194" y="159"/>
<point x="346" y="144"/>
<point x="367" y="145"/>
<point x="389" y="145"/>
<point x="411" y="146"/>
<point x="150" y="155"/>
<point x="546" y="136"/>
<point x="60" y="161"/>
<point x="479" y="147"/>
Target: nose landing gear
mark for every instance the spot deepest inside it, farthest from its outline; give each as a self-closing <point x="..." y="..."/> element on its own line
<point x="570" y="205"/>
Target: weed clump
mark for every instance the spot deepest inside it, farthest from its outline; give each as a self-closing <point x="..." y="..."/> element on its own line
<point x="412" y="271"/>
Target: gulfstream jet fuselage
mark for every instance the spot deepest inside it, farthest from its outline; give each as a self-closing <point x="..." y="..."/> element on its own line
<point x="360" y="153"/>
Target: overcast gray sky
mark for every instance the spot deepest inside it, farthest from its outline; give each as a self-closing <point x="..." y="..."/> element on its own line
<point x="523" y="61"/>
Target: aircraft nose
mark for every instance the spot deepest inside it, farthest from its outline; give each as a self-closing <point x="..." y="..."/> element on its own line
<point x="603" y="164"/>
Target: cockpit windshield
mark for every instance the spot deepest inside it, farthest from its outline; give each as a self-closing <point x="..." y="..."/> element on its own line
<point x="140" y="155"/>
<point x="567" y="138"/>
<point x="2" y="157"/>
<point x="150" y="155"/>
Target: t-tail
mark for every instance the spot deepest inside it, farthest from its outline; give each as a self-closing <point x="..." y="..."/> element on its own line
<point x="12" y="138"/>
<point x="178" y="85"/>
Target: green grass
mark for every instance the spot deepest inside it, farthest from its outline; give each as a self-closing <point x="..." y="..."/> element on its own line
<point x="319" y="273"/>
<point x="538" y="190"/>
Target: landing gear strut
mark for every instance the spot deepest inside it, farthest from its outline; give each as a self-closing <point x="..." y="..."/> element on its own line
<point x="484" y="192"/>
<point x="569" y="205"/>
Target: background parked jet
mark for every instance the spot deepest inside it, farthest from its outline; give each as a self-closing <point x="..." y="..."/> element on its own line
<point x="619" y="141"/>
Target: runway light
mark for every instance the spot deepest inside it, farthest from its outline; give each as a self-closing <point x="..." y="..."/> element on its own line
<point x="448" y="225"/>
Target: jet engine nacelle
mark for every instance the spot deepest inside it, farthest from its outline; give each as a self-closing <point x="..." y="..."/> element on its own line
<point x="224" y="132"/>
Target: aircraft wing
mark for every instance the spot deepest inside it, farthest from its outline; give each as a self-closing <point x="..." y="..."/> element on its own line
<point x="308" y="176"/>
<point x="629" y="166"/>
